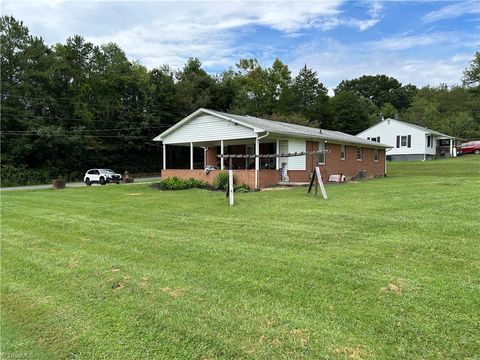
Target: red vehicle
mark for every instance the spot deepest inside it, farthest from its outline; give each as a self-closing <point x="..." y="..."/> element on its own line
<point x="471" y="147"/>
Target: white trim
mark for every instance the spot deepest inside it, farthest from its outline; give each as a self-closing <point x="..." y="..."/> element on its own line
<point x="222" y="166"/>
<point x="324" y="154"/>
<point x="164" y="155"/>
<point x="191" y="156"/>
<point x="344" y="152"/>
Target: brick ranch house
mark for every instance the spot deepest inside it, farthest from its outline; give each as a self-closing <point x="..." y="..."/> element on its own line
<point x="207" y="133"/>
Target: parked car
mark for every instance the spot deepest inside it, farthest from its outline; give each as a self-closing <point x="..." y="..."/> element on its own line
<point x="101" y="176"/>
<point x="471" y="147"/>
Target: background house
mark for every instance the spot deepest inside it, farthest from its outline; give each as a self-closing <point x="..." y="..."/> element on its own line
<point x="215" y="133"/>
<point x="410" y="141"/>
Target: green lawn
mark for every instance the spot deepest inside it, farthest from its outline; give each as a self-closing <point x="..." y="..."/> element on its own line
<point x="386" y="268"/>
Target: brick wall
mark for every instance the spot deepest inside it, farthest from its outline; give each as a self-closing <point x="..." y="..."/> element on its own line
<point x="334" y="165"/>
<point x="268" y="178"/>
<point x="212" y="158"/>
<point x="265" y="177"/>
<point x="351" y="166"/>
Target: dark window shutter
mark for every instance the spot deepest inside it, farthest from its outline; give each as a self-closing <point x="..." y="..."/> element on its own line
<point x="378" y="138"/>
<point x="409" y="144"/>
<point x="398" y="141"/>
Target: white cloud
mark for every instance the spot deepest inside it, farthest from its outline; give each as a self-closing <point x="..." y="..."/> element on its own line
<point x="405" y="41"/>
<point x="453" y="11"/>
<point x="158" y="32"/>
<point x="335" y="61"/>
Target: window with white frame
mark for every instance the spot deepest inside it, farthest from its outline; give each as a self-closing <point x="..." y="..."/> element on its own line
<point x="403" y="141"/>
<point x="343" y="153"/>
<point x="375" y="155"/>
<point x="359" y="154"/>
<point x="321" y="156"/>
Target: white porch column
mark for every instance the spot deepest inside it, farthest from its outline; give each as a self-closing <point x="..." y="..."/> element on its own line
<point x="257" y="161"/>
<point x="164" y="155"/>
<point x="221" y="153"/>
<point x="451" y="147"/>
<point x="277" y="159"/>
<point x="191" y="156"/>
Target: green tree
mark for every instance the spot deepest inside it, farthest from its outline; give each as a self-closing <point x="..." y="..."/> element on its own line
<point x="380" y="89"/>
<point x="389" y="111"/>
<point x="195" y="86"/>
<point x="471" y="75"/>
<point x="351" y="115"/>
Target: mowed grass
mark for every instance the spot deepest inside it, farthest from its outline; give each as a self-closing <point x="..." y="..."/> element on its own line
<point x="386" y="268"/>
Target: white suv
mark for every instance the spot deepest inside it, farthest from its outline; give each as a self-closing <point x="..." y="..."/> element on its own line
<point x="102" y="176"/>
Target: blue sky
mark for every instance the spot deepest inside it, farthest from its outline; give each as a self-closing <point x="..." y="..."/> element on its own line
<point x="419" y="42"/>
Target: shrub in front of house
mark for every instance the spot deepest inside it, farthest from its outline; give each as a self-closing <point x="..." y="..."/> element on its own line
<point x="221" y="181"/>
<point x="241" y="188"/>
<point x="175" y="183"/>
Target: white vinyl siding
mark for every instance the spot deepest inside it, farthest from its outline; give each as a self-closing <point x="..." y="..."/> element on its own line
<point x="283" y="149"/>
<point x="297" y="162"/>
<point x="208" y="128"/>
<point x="388" y="130"/>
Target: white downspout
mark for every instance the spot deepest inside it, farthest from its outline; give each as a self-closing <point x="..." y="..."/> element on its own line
<point x="257" y="159"/>
<point x="205" y="149"/>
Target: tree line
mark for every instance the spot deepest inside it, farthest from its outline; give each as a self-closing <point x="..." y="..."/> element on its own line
<point x="76" y="105"/>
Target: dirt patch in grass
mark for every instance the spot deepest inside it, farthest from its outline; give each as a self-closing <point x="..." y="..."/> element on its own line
<point x="174" y="293"/>
<point x="395" y="287"/>
<point x="118" y="286"/>
<point x="272" y="342"/>
<point x="133" y="194"/>
<point x="349" y="352"/>
<point x="300" y="336"/>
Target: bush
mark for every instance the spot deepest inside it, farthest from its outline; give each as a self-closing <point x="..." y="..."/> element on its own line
<point x="175" y="183"/>
<point x="241" y="188"/>
<point x="20" y="175"/>
<point x="221" y="181"/>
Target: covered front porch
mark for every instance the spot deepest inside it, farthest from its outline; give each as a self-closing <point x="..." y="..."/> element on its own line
<point x="201" y="160"/>
<point x="446" y="147"/>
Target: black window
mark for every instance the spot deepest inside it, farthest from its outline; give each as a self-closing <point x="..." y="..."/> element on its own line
<point x="359" y="154"/>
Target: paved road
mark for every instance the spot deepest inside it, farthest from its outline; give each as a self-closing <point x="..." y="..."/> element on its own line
<point x="75" y="184"/>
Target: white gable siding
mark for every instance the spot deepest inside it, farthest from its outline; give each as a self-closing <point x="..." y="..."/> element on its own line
<point x="388" y="132"/>
<point x="208" y="128"/>
<point x="297" y="162"/>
